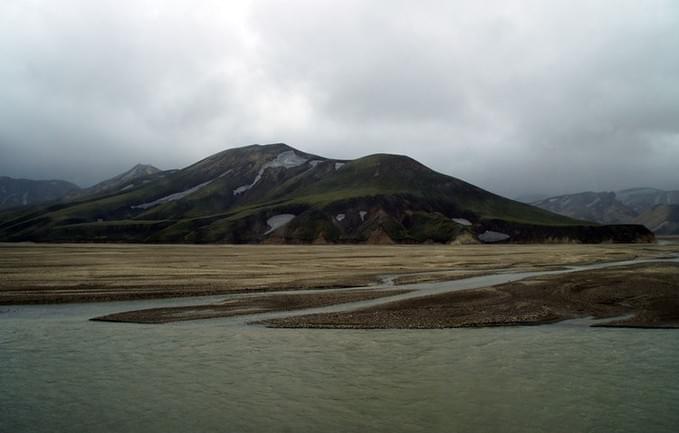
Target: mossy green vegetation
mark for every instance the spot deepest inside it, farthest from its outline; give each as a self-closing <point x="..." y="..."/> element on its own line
<point x="231" y="197"/>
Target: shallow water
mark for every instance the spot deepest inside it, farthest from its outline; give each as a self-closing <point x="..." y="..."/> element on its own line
<point x="60" y="372"/>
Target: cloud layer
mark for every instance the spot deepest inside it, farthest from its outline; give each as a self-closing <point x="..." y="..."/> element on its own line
<point x="517" y="97"/>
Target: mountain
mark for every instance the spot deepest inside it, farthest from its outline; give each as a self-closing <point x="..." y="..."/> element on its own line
<point x="24" y="192"/>
<point x="601" y="207"/>
<point x="15" y="193"/>
<point x="530" y="198"/>
<point x="127" y="180"/>
<point x="643" y="199"/>
<point x="645" y="206"/>
<point x="663" y="219"/>
<point x="278" y="194"/>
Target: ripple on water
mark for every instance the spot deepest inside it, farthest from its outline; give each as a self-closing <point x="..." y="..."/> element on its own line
<point x="70" y="376"/>
<point x="63" y="373"/>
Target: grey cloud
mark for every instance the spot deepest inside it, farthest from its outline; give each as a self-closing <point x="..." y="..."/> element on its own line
<point x="518" y="97"/>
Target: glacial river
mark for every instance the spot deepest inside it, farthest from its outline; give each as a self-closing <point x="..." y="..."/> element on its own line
<point x="60" y="372"/>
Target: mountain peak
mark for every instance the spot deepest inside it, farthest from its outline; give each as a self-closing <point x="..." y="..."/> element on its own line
<point x="142" y="166"/>
<point x="392" y="158"/>
<point x="247" y="157"/>
<point x="276" y="193"/>
<point x="120" y="182"/>
<point x="138" y="170"/>
<point x="261" y="147"/>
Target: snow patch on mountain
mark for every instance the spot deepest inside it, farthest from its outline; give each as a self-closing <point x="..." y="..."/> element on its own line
<point x="178" y="195"/>
<point x="659" y="226"/>
<point x="287" y="159"/>
<point x="462" y="221"/>
<point x="491" y="236"/>
<point x="595" y="201"/>
<point x="278" y="221"/>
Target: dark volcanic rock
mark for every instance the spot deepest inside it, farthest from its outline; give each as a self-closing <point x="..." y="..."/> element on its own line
<point x="529" y="233"/>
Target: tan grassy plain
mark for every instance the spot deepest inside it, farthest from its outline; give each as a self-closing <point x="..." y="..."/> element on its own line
<point x="43" y="273"/>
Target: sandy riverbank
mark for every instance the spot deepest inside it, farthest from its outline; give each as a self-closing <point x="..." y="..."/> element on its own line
<point x="647" y="294"/>
<point x="247" y="305"/>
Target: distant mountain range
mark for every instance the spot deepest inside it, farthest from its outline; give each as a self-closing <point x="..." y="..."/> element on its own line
<point x="24" y="192"/>
<point x="278" y="194"/>
<point x="654" y="208"/>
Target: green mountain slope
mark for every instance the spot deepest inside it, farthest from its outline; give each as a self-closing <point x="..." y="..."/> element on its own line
<point x="275" y="193"/>
<point x="138" y="174"/>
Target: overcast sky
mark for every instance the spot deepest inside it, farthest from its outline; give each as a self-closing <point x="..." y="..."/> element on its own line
<point x="517" y="97"/>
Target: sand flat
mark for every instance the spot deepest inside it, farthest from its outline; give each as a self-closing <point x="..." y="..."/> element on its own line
<point x="48" y="273"/>
<point x="641" y="296"/>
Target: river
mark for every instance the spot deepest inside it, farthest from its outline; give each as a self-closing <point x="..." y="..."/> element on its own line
<point x="60" y="372"/>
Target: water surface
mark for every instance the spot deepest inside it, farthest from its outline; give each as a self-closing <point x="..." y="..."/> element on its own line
<point x="62" y="373"/>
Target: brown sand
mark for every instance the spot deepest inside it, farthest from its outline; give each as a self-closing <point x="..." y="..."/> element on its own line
<point x="648" y="294"/>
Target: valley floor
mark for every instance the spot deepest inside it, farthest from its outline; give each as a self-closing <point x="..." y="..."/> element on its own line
<point x="58" y="273"/>
<point x="646" y="294"/>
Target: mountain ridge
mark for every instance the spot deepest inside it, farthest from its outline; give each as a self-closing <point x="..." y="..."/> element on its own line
<point x="123" y="180"/>
<point x="17" y="192"/>
<point x="644" y="206"/>
<point x="276" y="193"/>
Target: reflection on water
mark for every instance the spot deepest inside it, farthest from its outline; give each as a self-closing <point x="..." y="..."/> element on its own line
<point x="61" y="373"/>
